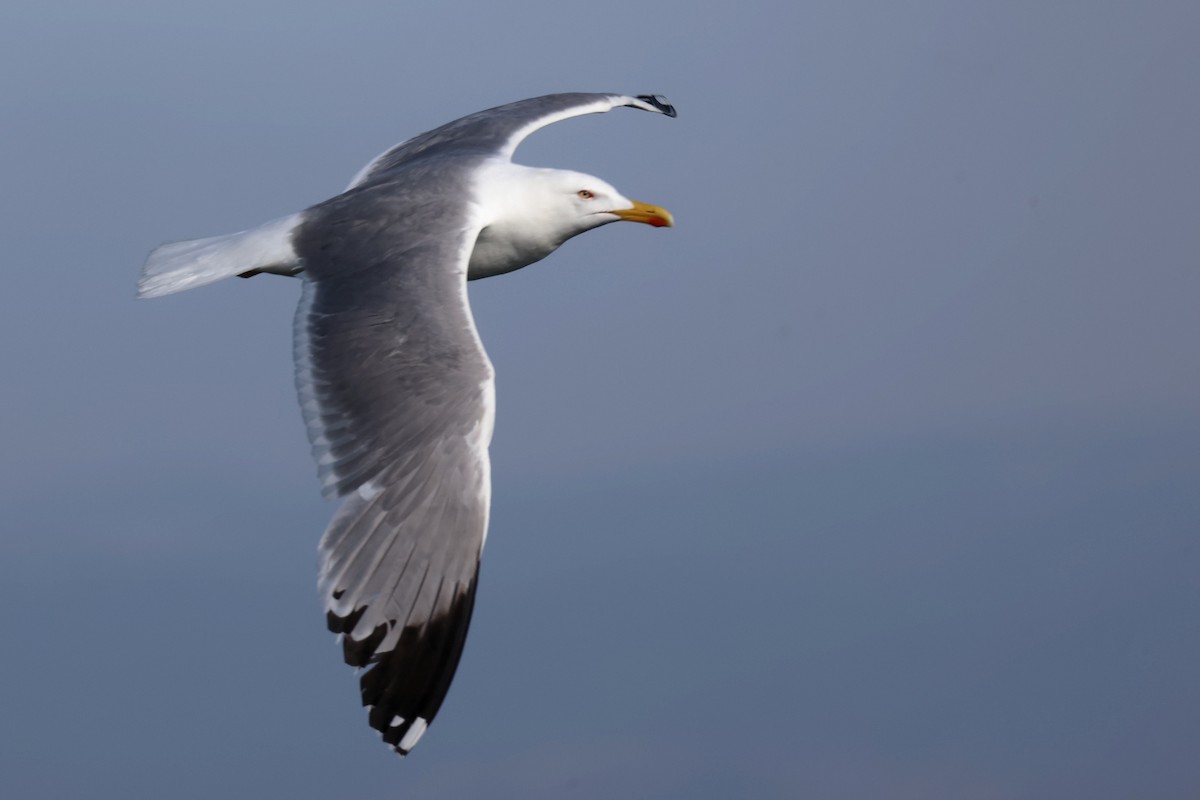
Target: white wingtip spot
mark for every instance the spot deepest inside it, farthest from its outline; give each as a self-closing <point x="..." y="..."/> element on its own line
<point x="414" y="734"/>
<point x="396" y="722"/>
<point x="369" y="490"/>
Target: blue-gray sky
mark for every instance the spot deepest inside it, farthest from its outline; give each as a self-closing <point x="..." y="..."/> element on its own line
<point x="875" y="477"/>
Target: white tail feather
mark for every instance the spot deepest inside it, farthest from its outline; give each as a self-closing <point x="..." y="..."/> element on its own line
<point x="185" y="265"/>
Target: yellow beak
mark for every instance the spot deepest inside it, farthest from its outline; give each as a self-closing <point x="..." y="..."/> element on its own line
<point x="644" y="212"/>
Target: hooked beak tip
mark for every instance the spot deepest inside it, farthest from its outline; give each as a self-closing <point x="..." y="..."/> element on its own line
<point x="645" y="213"/>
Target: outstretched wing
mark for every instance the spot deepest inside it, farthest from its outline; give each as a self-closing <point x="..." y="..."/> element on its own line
<point x="498" y="131"/>
<point x="397" y="394"/>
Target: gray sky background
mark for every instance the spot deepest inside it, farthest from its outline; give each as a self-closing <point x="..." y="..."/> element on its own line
<point x="875" y="477"/>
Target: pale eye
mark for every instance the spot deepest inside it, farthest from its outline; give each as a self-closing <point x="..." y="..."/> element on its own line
<point x="585" y="194"/>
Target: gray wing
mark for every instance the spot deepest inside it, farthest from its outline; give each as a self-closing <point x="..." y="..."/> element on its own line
<point x="498" y="131"/>
<point x="397" y="394"/>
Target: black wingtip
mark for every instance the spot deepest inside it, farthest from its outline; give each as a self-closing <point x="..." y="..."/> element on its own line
<point x="659" y="102"/>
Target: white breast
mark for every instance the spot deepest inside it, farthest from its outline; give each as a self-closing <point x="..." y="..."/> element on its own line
<point x="526" y="219"/>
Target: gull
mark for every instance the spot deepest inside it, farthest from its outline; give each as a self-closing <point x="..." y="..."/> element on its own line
<point x="396" y="390"/>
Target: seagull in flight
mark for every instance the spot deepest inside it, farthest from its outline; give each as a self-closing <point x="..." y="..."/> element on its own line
<point x="396" y="390"/>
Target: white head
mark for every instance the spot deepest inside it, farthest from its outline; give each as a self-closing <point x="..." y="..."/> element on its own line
<point x="563" y="203"/>
<point x="532" y="211"/>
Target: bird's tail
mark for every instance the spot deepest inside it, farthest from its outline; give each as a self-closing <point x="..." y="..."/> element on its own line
<point x="185" y="265"/>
